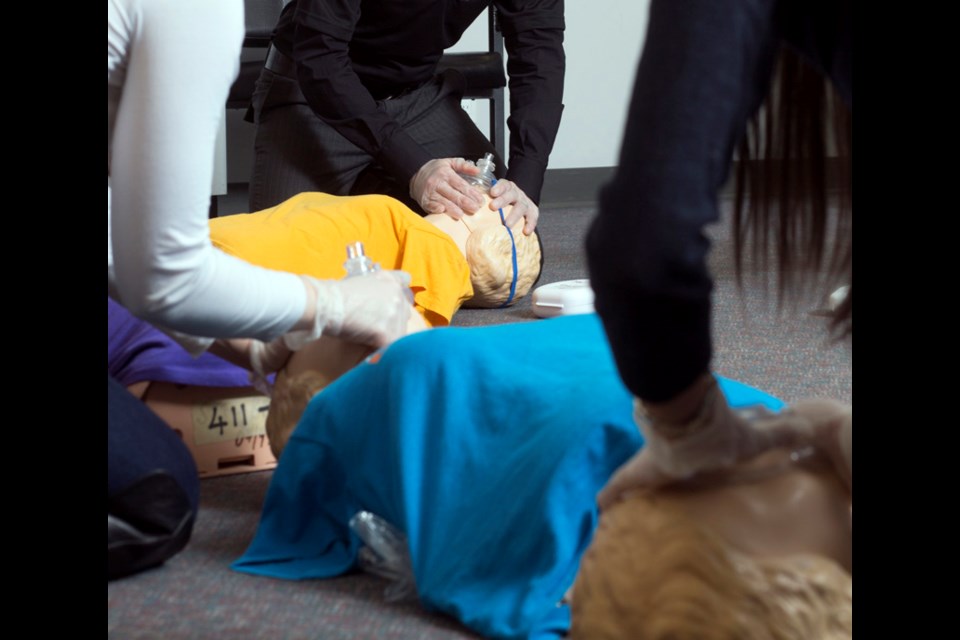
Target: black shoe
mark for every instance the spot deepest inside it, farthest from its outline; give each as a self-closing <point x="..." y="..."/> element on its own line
<point x="148" y="522"/>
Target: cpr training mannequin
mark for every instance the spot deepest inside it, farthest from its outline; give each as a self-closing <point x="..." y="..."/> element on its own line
<point x="308" y="234"/>
<point x="465" y="262"/>
<point x="485" y="446"/>
<point x="761" y="551"/>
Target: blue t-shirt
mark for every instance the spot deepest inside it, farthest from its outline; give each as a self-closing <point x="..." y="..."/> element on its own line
<point x="485" y="446"/>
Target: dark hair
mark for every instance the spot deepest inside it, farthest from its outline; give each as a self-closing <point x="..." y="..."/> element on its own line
<point x="784" y="192"/>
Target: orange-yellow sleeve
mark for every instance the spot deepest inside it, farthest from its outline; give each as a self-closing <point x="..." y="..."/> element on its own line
<point x="308" y="234"/>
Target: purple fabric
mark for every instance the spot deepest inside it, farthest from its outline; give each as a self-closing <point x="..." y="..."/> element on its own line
<point x="137" y="351"/>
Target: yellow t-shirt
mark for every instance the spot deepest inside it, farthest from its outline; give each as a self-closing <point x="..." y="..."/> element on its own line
<point x="309" y="233"/>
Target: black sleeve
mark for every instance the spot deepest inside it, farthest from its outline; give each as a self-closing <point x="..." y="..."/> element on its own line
<point x="705" y="67"/>
<point x="533" y="38"/>
<point x="322" y="33"/>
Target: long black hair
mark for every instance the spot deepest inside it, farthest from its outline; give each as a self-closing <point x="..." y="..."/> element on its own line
<point x="794" y="163"/>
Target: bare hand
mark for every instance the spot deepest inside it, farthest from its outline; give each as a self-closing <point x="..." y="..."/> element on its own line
<point x="438" y="188"/>
<point x="505" y="193"/>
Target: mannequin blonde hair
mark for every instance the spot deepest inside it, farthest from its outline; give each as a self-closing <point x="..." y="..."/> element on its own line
<point x="653" y="573"/>
<point x="490" y="256"/>
<point x="309" y="371"/>
<point x="290" y="397"/>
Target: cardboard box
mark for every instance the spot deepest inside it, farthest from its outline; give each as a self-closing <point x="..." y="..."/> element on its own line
<point x="224" y="428"/>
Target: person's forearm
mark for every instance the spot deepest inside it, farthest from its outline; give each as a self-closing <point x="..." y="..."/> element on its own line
<point x="235" y="351"/>
<point x="536" y="65"/>
<point x="337" y="96"/>
<point x="528" y="174"/>
<point x="166" y="270"/>
<point x="659" y="332"/>
<point x="238" y="350"/>
<point x="647" y="248"/>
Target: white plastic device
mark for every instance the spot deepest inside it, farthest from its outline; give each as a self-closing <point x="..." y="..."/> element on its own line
<point x="564" y="298"/>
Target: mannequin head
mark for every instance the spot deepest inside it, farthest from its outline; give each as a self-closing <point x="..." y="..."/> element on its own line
<point x="487" y="246"/>
<point x="764" y="553"/>
<point x="309" y="371"/>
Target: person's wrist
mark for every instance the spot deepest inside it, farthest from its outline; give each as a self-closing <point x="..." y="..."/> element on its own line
<point x="683" y="414"/>
<point x="233" y="350"/>
<point x="308" y="318"/>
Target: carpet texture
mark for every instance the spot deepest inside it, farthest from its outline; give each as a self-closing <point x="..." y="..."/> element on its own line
<point x="195" y="595"/>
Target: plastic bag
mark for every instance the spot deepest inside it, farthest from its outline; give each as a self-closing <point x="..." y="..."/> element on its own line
<point x="385" y="554"/>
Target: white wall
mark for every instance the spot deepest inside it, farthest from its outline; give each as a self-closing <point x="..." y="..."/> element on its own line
<point x="602" y="41"/>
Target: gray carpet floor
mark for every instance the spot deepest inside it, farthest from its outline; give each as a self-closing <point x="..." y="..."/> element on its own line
<point x="195" y="595"/>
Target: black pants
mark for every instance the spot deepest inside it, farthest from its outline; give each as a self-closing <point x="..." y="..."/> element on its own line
<point x="295" y="151"/>
<point x="153" y="487"/>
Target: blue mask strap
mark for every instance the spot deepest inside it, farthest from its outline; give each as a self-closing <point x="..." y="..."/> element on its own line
<point x="513" y="248"/>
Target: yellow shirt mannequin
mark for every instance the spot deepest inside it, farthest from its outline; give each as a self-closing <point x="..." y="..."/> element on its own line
<point x="309" y="233"/>
<point x="451" y="263"/>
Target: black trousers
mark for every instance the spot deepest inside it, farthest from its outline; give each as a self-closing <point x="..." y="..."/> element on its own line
<point x="296" y="151"/>
<point x="153" y="487"/>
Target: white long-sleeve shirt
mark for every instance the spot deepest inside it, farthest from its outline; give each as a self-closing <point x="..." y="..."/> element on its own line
<point x="170" y="64"/>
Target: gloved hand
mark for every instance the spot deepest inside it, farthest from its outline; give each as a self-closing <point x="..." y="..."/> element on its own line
<point x="267" y="358"/>
<point x="261" y="358"/>
<point x="505" y="193"/>
<point x="438" y="188"/>
<point x="372" y="309"/>
<point x="717" y="437"/>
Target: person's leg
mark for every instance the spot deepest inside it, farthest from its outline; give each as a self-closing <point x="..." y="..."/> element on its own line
<point x="153" y="489"/>
<point x="294" y="150"/>
<point x="432" y="115"/>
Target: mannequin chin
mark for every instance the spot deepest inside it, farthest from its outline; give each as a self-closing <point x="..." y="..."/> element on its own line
<point x="762" y="551"/>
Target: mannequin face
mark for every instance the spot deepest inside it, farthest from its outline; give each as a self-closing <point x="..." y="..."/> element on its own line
<point x="491" y="251"/>
<point x="461" y="229"/>
<point x="765" y="546"/>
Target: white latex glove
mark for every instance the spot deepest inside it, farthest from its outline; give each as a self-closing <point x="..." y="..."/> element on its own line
<point x="716" y="438"/>
<point x="371" y="309"/>
<point x="438" y="188"/>
<point x="506" y="193"/>
<point x="267" y="358"/>
<point x="261" y="358"/>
